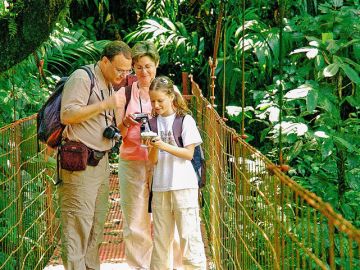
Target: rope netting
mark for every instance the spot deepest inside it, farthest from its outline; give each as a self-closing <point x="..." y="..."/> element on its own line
<point x="28" y="210"/>
<point x="255" y="216"/>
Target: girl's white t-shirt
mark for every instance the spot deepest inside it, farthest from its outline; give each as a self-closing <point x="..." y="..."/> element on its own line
<point x="171" y="172"/>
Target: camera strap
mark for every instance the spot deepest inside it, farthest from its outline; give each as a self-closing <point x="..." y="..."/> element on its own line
<point x="103" y="98"/>
<point x="140" y="103"/>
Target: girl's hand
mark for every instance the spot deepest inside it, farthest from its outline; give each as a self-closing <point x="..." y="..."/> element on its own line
<point x="156" y="141"/>
<point x="147" y="142"/>
<point x="186" y="152"/>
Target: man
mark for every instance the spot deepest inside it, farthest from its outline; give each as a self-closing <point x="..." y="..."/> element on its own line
<point x="83" y="195"/>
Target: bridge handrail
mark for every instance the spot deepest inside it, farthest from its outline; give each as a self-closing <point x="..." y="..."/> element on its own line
<point x="256" y="217"/>
<point x="232" y="192"/>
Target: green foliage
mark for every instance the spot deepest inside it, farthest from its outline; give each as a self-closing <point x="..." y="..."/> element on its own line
<point x="20" y="92"/>
<point x="320" y="83"/>
<point x="161" y="8"/>
<point x="24" y="26"/>
<point x="23" y="90"/>
<point x="175" y="44"/>
<point x="67" y="50"/>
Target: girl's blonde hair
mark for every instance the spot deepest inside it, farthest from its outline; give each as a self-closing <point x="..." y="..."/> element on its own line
<point x="165" y="84"/>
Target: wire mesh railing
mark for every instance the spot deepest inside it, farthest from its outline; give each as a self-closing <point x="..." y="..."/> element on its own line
<point x="257" y="217"/>
<point x="28" y="224"/>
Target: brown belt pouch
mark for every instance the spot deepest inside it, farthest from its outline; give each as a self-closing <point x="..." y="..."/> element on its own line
<point x="73" y="156"/>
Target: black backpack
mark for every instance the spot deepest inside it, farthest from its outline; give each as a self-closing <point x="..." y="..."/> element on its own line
<point x="49" y="126"/>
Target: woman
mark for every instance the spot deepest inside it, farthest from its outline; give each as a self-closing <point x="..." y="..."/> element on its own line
<point x="134" y="167"/>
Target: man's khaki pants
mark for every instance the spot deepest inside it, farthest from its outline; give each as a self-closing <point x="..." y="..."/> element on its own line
<point x="180" y="208"/>
<point x="83" y="199"/>
<point x="134" y="177"/>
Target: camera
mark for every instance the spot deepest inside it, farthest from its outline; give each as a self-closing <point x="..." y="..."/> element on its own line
<point x="112" y="132"/>
<point x="141" y="117"/>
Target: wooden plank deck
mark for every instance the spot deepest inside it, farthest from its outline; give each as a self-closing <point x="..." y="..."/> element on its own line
<point x="112" y="251"/>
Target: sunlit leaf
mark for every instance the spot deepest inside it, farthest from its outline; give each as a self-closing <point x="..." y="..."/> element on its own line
<point x="301" y="50"/>
<point x="169" y="24"/>
<point x="300" y="92"/>
<point x="312" y="53"/>
<point x="327" y="36"/>
<point x="274" y="113"/>
<point x="331" y="70"/>
<point x="289" y="127"/>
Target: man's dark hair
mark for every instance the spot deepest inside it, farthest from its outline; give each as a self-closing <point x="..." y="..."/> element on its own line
<point x="114" y="48"/>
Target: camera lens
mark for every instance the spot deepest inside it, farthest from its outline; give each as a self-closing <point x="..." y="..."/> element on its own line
<point x="117" y="136"/>
<point x="112" y="132"/>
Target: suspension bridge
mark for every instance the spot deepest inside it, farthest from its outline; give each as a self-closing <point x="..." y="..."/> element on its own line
<point x="254" y="215"/>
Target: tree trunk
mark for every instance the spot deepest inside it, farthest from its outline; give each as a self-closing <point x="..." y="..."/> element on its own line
<point x="34" y="20"/>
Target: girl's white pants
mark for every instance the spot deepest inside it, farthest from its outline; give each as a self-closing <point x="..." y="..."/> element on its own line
<point x="180" y="208"/>
<point x="134" y="178"/>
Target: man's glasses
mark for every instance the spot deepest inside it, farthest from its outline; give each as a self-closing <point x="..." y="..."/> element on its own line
<point x="121" y="72"/>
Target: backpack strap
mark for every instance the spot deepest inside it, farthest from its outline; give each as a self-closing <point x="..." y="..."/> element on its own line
<point x="153" y="124"/>
<point x="128" y="89"/>
<point x="177" y="129"/>
<point x="92" y="79"/>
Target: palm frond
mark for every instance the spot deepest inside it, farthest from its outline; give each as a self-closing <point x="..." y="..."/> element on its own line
<point x="162" y="8"/>
<point x="187" y="48"/>
<point x="66" y="50"/>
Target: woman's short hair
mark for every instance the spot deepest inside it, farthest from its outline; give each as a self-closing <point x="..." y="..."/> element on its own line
<point x="145" y="48"/>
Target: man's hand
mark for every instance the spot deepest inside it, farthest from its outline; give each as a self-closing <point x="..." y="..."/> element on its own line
<point x="115" y="101"/>
<point x="129" y="121"/>
<point x="80" y="114"/>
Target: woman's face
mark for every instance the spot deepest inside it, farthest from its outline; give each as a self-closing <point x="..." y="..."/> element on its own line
<point x="145" y="70"/>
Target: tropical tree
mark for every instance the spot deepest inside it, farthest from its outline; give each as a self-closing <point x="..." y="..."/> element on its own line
<point x="25" y="26"/>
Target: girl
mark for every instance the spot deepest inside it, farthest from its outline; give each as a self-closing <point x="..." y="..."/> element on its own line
<point x="175" y="187"/>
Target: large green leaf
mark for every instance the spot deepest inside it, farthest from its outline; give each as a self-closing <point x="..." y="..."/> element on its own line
<point x="331" y="70"/>
<point x="312" y="100"/>
<point x="344" y="143"/>
<point x="351" y="73"/>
